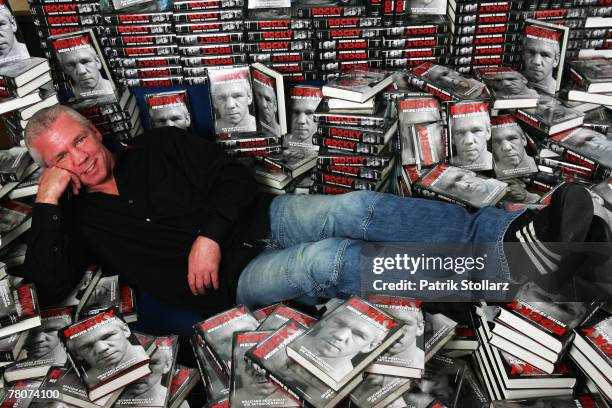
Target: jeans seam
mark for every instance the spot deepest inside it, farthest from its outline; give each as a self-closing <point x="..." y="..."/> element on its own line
<point x="281" y="233"/>
<point x="505" y="268"/>
<point x="370" y="216"/>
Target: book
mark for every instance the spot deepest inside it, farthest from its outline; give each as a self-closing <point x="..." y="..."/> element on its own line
<point x="428" y="141"/>
<point x="94" y="84"/>
<point x="8" y="104"/>
<point x="13" y="164"/>
<point x="248" y="386"/>
<point x="550" y="402"/>
<point x="472" y="393"/>
<point x="508" y="88"/>
<point x="103" y="295"/>
<point x="216" y="384"/>
<point x="153" y="390"/>
<point x="270" y="357"/>
<point x="302" y="103"/>
<point x="447" y="375"/>
<point x="183" y="381"/>
<point x="584" y="147"/>
<point x="261" y="314"/>
<point x="14" y="48"/>
<point x="343" y="104"/>
<point x="18" y="73"/>
<point x="583" y="96"/>
<point x="469" y="132"/>
<point x="169" y="109"/>
<point x="216" y="331"/>
<point x="282" y="314"/>
<point x="378" y="391"/>
<point x="11" y="345"/>
<point x="593" y="75"/>
<point x="292" y="160"/>
<point x="319" y="352"/>
<point x="358" y="84"/>
<point x="543" y="54"/>
<point x="439" y="329"/>
<point x="231" y="96"/>
<point x="412" y="110"/>
<point x="27" y="187"/>
<point x="508" y="143"/>
<point x="102" y="374"/>
<point x="446" y="83"/>
<point x="43" y="348"/>
<point x="19" y="309"/>
<point x="550" y="324"/>
<point x="269" y="94"/>
<point x="591" y="373"/>
<point x="460" y="186"/>
<point x="405" y="357"/>
<point x="551" y="116"/>
<point x="323" y="115"/>
<point x="127" y="305"/>
<point x="593" y="341"/>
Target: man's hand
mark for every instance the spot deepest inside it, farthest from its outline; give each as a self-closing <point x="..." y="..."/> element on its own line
<point x="204" y="260"/>
<point x="53" y="182"/>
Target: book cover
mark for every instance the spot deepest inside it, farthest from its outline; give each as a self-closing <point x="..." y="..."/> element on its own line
<point x="250" y="387"/>
<point x="18" y="304"/>
<point x="183" y="381"/>
<point x="231" y="96"/>
<point x="369" y="329"/>
<point x="217" y="385"/>
<point x="19" y="72"/>
<point x="80" y="59"/>
<point x="334" y="157"/>
<point x="123" y="361"/>
<point x="460" y="186"/>
<point x="169" y="109"/>
<point x="105" y="294"/>
<point x="13" y="48"/>
<point x="439" y="329"/>
<point x="153" y="390"/>
<point x="217" y="330"/>
<point x="269" y="92"/>
<point x="43" y="348"/>
<point x="446" y="83"/>
<point x="303" y="102"/>
<point x="428" y="141"/>
<point x="592" y="74"/>
<point x="11" y="345"/>
<point x="270" y="357"/>
<point x="265" y="9"/>
<point x="469" y="135"/>
<point x="543" y="54"/>
<point x="550" y="116"/>
<point x="441" y="383"/>
<point x="508" y="142"/>
<point x="405" y="357"/>
<point x="597" y="333"/>
<point x="264" y="312"/>
<point x="508" y="88"/>
<point x="282" y="314"/>
<point x="378" y="391"/>
<point x="358" y="84"/>
<point x="13" y="164"/>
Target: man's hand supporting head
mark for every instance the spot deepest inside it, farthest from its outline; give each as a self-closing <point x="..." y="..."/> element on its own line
<point x="53" y="182"/>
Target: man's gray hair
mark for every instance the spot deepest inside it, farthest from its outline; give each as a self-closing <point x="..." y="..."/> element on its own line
<point x="42" y="122"/>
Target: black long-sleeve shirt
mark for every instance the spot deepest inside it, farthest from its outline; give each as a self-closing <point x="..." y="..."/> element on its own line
<point x="173" y="187"/>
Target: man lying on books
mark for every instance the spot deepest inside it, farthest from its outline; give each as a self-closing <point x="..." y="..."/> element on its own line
<point x="182" y="222"/>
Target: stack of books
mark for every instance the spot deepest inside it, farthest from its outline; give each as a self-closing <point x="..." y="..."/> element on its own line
<point x="138" y="41"/>
<point x="355" y="153"/>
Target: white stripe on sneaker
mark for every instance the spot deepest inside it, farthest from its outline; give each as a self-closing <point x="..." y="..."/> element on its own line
<point x="531" y="256"/>
<point x="530" y="241"/>
<point x="540" y="244"/>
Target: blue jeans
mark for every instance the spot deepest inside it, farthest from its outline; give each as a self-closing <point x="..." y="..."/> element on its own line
<point x="315" y="248"/>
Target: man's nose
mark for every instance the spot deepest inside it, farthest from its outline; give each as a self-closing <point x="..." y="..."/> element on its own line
<point x="100" y="347"/>
<point x="342" y="333"/>
<point x="506" y="146"/>
<point x="469" y="138"/>
<point x="79" y="157"/>
<point x="536" y="59"/>
<point x="230" y="102"/>
<point x="302" y="118"/>
<point x="80" y="69"/>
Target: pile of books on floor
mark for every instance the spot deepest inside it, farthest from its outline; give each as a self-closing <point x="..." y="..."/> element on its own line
<point x="280" y="355"/>
<point x="353" y="133"/>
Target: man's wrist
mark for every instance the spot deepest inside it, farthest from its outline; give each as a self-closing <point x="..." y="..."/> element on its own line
<point x="47" y="200"/>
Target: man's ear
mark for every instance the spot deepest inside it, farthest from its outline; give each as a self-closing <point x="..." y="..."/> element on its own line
<point x="188" y="118"/>
<point x="489" y="131"/>
<point x="557" y="58"/>
<point x="420" y="328"/>
<point x="126" y="330"/>
<point x="13" y="23"/>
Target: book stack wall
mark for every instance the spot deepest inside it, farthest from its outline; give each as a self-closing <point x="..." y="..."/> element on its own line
<point x="419" y="39"/>
<point x="354" y="134"/>
<point x="209" y="34"/>
<point x="139" y="44"/>
<point x="484" y="33"/>
<point x="284" y="44"/>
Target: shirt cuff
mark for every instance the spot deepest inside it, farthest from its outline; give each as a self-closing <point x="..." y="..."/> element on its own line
<point x="216" y="228"/>
<point x="46" y="216"/>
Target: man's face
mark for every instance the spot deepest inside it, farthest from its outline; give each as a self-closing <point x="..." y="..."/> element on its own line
<point x="176" y="116"/>
<point x="303" y="125"/>
<point x="231" y="101"/>
<point x="77" y="148"/>
<point x="224" y="336"/>
<point x="8" y="27"/>
<point x="539" y="59"/>
<point x="344" y="336"/>
<point x="448" y="78"/>
<point x="592" y="144"/>
<point x="470" y="137"/>
<point x="411" y="330"/>
<point x="160" y="364"/>
<point x="265" y="100"/>
<point x="512" y="83"/>
<point x="103" y="348"/>
<point x="43" y="340"/>
<point x="508" y="145"/>
<point x="256" y="384"/>
<point x="82" y="65"/>
<point x="465" y="184"/>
